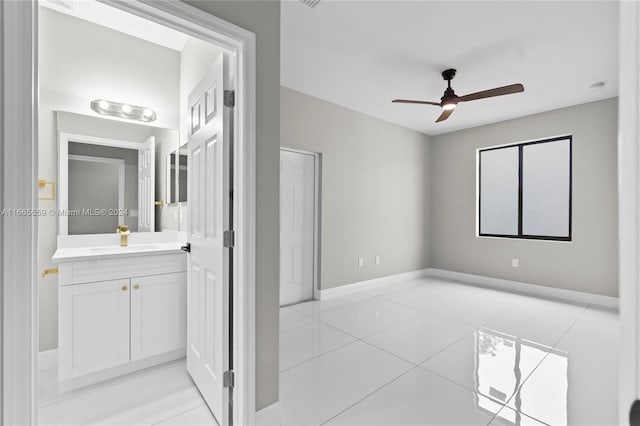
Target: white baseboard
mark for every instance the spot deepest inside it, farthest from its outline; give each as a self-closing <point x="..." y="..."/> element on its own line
<point x="481" y="281"/>
<point x="70" y="384"/>
<point x="361" y="285"/>
<point x="47" y="359"/>
<point x="528" y="289"/>
<point x="270" y="415"/>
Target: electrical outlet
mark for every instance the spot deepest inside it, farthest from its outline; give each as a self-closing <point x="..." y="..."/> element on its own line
<point x="514" y="263"/>
<point x="360" y="262"/>
<point x="377" y="260"/>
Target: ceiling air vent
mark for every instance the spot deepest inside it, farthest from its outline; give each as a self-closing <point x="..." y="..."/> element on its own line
<point x="67" y="4"/>
<point x="310" y="3"/>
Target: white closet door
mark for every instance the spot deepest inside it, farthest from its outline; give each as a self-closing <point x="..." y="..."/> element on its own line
<point x="297" y="210"/>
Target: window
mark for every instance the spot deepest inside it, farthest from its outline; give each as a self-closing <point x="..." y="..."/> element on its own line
<point x="524" y="190"/>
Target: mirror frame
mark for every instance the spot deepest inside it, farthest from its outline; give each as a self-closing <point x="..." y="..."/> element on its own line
<point x="168" y="180"/>
<point x="184" y="147"/>
<point x="63" y="170"/>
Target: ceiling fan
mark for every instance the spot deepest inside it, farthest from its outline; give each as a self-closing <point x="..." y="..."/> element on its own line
<point x="449" y="100"/>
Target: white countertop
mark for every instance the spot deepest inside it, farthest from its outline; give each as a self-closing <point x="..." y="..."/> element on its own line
<point x="75" y="254"/>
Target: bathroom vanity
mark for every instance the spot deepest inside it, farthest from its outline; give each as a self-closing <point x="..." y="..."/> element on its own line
<point x="120" y="308"/>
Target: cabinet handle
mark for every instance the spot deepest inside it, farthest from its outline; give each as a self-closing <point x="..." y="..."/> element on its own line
<point x="124" y="288"/>
<point x="136" y="286"/>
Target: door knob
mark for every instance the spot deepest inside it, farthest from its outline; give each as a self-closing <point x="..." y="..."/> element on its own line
<point x="135" y="287"/>
<point x="124" y="288"/>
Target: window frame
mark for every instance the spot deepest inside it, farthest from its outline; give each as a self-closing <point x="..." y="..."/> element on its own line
<point x="520" y="146"/>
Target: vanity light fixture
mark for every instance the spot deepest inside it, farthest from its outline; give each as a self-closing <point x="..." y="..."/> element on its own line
<point x="128" y="111"/>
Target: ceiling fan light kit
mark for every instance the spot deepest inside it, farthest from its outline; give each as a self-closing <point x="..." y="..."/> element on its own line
<point x="450" y="100"/>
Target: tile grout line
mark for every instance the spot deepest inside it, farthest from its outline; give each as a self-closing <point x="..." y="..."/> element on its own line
<point x="369" y="394"/>
<point x="421" y="312"/>
<point x="178" y="414"/>
<point x="540" y="363"/>
<point x="317" y="356"/>
<point x="414" y="366"/>
<point x="357" y="339"/>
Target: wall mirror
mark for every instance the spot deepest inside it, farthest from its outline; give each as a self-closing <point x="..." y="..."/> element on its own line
<point x="177" y="176"/>
<point x="111" y="174"/>
<point x="105" y="183"/>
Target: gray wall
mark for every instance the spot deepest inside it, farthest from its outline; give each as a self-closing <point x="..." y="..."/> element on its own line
<point x="375" y="188"/>
<point x="263" y="18"/>
<point x="589" y="262"/>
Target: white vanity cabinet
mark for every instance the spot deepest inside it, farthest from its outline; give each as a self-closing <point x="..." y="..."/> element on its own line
<point x="120" y="313"/>
<point x="158" y="314"/>
<point x="94" y="327"/>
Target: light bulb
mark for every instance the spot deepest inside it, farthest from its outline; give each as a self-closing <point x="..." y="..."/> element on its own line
<point x="126" y="109"/>
<point x="448" y="107"/>
<point x="148" y="112"/>
<point x="103" y="104"/>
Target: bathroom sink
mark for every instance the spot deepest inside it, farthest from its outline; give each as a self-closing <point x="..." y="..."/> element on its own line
<point x="100" y="249"/>
<point x="137" y="247"/>
<point x="117" y="249"/>
<point x="70" y="254"/>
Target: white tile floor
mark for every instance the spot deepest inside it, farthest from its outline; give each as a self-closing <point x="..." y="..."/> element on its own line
<point x="161" y="395"/>
<point x="433" y="352"/>
<point x="422" y="352"/>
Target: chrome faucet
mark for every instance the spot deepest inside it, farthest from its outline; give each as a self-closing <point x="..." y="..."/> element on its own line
<point x="124" y="232"/>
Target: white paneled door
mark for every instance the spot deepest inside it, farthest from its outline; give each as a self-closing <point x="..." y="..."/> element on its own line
<point x="297" y="225"/>
<point x="146" y="186"/>
<point x="208" y="282"/>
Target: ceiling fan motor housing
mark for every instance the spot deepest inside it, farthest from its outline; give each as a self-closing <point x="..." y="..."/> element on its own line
<point x="449" y="74"/>
<point x="449" y="96"/>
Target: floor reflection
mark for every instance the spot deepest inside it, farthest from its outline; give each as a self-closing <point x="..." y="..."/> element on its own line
<point x="502" y="364"/>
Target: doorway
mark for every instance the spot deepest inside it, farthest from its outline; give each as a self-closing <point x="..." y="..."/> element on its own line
<point x="21" y="31"/>
<point x="299" y="224"/>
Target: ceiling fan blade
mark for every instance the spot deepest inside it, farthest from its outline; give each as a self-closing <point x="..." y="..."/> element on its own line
<point x="408" y="101"/>
<point x="498" y="91"/>
<point x="445" y="114"/>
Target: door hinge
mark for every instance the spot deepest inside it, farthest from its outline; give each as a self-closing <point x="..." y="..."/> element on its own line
<point x="228" y="379"/>
<point x="229" y="98"/>
<point x="186" y="248"/>
<point x="229" y="238"/>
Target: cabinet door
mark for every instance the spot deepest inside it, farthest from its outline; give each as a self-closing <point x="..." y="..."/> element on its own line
<point x="94" y="327"/>
<point x="158" y="314"/>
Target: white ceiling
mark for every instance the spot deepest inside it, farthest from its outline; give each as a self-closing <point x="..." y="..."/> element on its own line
<point x="118" y="20"/>
<point x="363" y="54"/>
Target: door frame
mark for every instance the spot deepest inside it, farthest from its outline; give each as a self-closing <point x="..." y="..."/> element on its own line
<point x="317" y="216"/>
<point x="629" y="207"/>
<point x="19" y="171"/>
